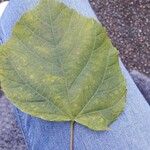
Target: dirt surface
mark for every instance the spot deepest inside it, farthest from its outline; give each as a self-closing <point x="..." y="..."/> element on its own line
<point x="128" y="24"/>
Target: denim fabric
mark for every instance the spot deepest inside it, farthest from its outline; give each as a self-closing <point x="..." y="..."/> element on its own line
<point x="130" y="132"/>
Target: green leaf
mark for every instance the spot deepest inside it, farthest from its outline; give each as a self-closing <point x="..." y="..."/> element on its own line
<point x="61" y="66"/>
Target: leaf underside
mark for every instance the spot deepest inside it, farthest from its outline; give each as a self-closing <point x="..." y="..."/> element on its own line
<point x="61" y="66"/>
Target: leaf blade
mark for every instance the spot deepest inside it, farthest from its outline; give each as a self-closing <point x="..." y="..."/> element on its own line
<point x="61" y="66"/>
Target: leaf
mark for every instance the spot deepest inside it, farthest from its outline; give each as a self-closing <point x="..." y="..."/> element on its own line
<point x="61" y="66"/>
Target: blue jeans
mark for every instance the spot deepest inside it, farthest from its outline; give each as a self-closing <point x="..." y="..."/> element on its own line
<point x="130" y="132"/>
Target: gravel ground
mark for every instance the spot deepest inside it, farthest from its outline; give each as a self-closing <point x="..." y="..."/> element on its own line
<point x="11" y="137"/>
<point x="128" y="24"/>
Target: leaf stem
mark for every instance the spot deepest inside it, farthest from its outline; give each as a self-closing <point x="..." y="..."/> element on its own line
<point x="72" y="135"/>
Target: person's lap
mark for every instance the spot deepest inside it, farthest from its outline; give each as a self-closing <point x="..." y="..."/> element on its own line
<point x="130" y="132"/>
